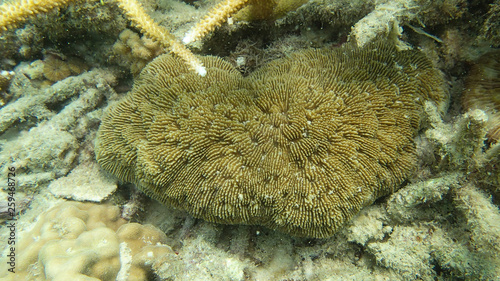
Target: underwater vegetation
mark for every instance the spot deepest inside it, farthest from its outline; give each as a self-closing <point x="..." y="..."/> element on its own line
<point x="411" y="146"/>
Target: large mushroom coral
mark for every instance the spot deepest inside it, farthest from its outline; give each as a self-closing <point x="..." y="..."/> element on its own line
<point x="301" y="145"/>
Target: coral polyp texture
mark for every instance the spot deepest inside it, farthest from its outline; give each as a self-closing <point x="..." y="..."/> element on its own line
<point x="86" y="241"/>
<point x="300" y="145"/>
<point x="483" y="91"/>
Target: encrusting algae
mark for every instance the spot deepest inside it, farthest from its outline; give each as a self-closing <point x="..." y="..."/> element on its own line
<point x="300" y="145"/>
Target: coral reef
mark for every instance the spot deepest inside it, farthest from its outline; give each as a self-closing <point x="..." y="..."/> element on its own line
<point x="81" y="29"/>
<point x="85" y="241"/>
<point x="440" y="224"/>
<point x="366" y="20"/>
<point x="12" y="14"/>
<point x="272" y="153"/>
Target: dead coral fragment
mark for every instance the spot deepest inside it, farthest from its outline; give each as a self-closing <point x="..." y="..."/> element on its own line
<point x="483" y="91"/>
<point x="300" y="145"/>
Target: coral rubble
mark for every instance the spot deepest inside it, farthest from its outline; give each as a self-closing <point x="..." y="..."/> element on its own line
<point x="57" y="140"/>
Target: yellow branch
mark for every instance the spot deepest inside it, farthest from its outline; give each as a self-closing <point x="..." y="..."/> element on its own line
<point x="14" y="13"/>
<point x="215" y="18"/>
<point x="138" y="16"/>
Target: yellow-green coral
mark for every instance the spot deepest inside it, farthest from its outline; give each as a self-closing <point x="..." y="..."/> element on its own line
<point x="300" y="145"/>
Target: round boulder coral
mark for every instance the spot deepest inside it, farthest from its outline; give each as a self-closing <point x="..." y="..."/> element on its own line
<point x="300" y="145"/>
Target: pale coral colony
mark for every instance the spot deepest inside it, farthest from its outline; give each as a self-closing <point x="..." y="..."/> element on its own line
<point x="401" y="102"/>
